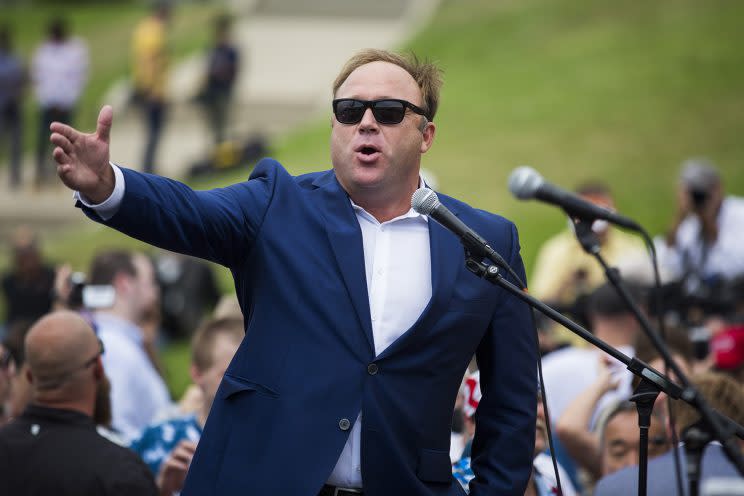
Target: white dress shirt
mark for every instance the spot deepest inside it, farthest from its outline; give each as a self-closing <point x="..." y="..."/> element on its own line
<point x="397" y="261"/>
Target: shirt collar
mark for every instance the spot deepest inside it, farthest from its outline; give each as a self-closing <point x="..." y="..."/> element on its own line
<point x="411" y="214"/>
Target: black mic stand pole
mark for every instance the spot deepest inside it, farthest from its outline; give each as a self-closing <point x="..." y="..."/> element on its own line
<point x="696" y="437"/>
<point x="639" y="368"/>
<point x="645" y="394"/>
<point x="689" y="393"/>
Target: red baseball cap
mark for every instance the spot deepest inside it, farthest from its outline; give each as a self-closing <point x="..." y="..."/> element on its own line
<point x="728" y="347"/>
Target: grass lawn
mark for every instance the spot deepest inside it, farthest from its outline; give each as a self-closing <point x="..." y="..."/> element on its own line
<point x="579" y="89"/>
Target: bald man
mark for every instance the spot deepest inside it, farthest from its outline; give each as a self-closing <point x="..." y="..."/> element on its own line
<point x="54" y="447"/>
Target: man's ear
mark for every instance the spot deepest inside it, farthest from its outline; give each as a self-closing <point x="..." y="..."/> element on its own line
<point x="427" y="131"/>
<point x="195" y="374"/>
<point x="98" y="371"/>
<point x="122" y="282"/>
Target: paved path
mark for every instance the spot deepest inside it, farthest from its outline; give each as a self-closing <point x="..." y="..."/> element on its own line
<point x="293" y="50"/>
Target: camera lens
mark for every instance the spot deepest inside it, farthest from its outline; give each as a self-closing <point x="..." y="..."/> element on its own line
<point x="698" y="197"/>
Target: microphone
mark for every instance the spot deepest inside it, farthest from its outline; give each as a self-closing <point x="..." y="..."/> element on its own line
<point x="526" y="183"/>
<point x="426" y="202"/>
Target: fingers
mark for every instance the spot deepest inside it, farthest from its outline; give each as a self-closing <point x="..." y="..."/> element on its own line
<point x="183" y="453"/>
<point x="61" y="141"/>
<point x="185" y="448"/>
<point x="105" y="119"/>
<point x="67" y="131"/>
<point x="61" y="157"/>
<point x="173" y="463"/>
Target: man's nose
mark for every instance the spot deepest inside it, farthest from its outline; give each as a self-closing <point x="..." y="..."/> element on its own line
<point x="368" y="122"/>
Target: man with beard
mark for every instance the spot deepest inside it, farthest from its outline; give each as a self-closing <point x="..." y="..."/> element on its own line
<point x="65" y="370"/>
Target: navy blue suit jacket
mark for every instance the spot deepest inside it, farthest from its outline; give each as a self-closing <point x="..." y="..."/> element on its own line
<point x="279" y="420"/>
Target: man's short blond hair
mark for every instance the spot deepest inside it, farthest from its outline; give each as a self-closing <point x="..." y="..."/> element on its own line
<point x="426" y="74"/>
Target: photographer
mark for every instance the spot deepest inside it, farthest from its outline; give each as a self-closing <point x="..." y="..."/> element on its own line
<point x="702" y="245"/>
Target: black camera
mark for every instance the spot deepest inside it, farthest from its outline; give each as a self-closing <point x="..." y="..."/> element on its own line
<point x="89" y="295"/>
<point x="698" y="197"/>
<point x="77" y="283"/>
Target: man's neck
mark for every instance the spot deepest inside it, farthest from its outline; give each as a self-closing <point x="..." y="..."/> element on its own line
<point x="122" y="312"/>
<point x="615" y="338"/>
<point x="81" y="406"/>
<point x="384" y="205"/>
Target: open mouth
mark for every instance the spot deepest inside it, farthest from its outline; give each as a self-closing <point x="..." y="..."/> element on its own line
<point x="367" y="150"/>
<point x="367" y="153"/>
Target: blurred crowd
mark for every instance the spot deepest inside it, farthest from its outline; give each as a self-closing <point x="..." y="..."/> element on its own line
<point x="57" y="76"/>
<point x="700" y="303"/>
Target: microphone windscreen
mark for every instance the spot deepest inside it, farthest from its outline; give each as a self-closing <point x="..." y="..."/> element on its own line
<point x="424" y="201"/>
<point x="524" y="182"/>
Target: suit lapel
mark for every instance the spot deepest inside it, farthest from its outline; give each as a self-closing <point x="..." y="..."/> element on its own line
<point x="447" y="257"/>
<point x="345" y="237"/>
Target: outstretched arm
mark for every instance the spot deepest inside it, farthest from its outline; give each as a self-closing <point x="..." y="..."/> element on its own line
<point x="83" y="158"/>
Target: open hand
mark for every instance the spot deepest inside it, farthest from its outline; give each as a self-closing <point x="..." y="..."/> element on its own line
<point x="83" y="159"/>
<point x="172" y="473"/>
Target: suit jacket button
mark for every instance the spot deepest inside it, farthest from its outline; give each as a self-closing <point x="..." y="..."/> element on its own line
<point x="344" y="424"/>
<point x="372" y="368"/>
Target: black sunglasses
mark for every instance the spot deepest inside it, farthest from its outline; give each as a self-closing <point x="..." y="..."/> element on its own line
<point x="385" y="110"/>
<point x="91" y="360"/>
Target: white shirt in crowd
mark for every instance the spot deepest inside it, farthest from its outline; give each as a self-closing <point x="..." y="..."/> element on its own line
<point x="59" y="71"/>
<point x="724" y="258"/>
<point x="570" y="371"/>
<point x="138" y="393"/>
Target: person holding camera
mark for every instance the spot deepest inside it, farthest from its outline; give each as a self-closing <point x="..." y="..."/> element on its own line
<point x="702" y="245"/>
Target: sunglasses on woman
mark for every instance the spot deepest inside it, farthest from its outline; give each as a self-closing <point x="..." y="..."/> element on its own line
<point x="385" y="110"/>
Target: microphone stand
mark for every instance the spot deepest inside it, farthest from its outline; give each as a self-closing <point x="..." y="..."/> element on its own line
<point x="645" y="394"/>
<point x="723" y="433"/>
<point x="654" y="379"/>
<point x="696" y="438"/>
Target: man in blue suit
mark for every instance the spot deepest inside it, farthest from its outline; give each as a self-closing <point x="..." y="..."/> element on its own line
<point x="360" y="315"/>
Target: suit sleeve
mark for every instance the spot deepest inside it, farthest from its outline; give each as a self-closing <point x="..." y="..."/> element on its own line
<point x="219" y="225"/>
<point x="504" y="439"/>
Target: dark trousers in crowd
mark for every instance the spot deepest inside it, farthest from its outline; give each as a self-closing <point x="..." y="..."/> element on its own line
<point x="44" y="167"/>
<point x="154" y="119"/>
<point x="217" y="104"/>
<point x="11" y="136"/>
